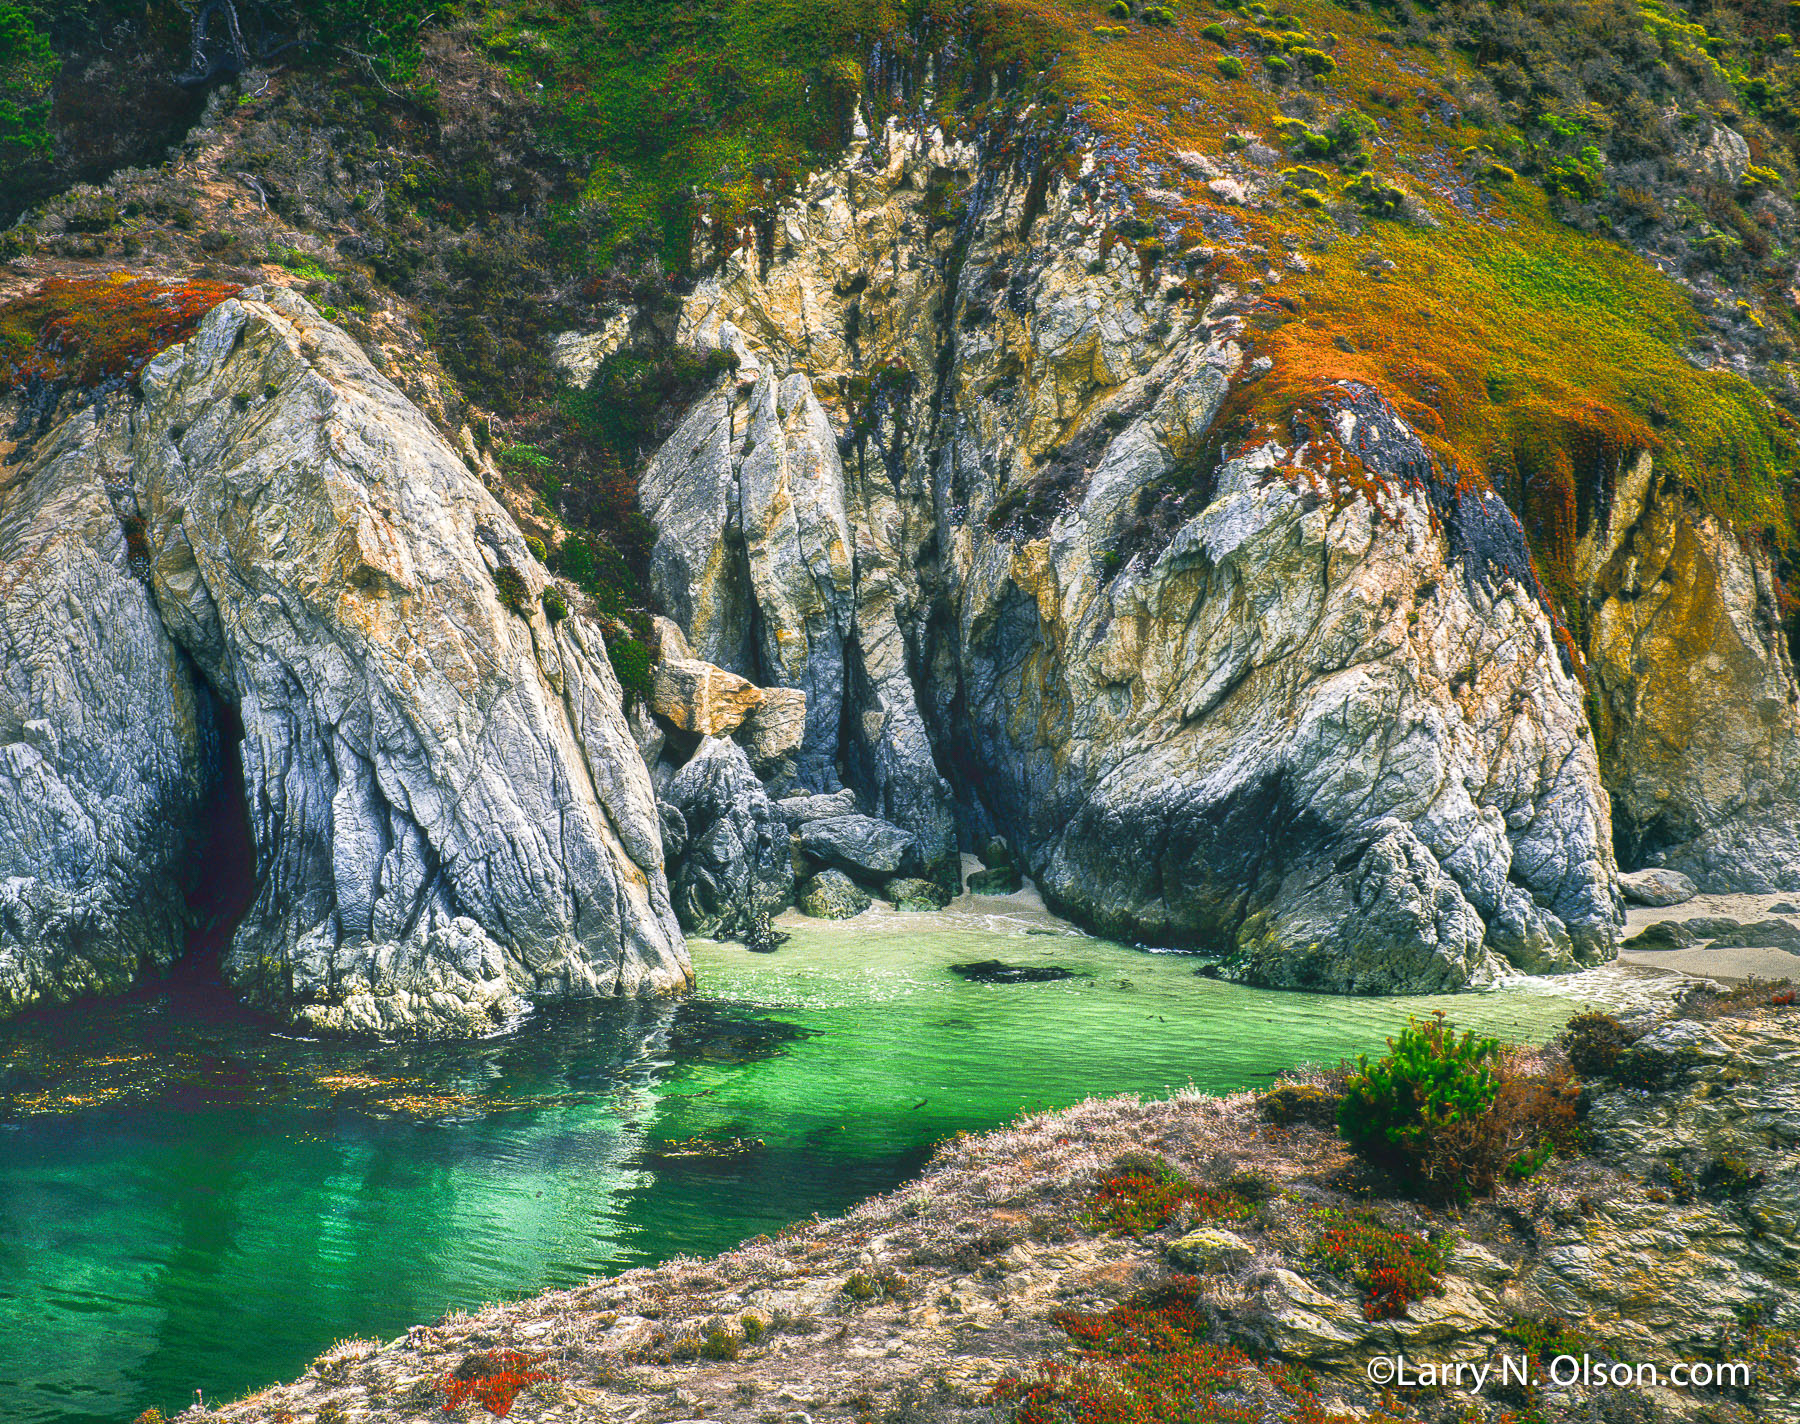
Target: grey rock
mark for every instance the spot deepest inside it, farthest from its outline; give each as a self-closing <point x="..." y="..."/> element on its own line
<point x="908" y="893"/>
<point x="449" y="811"/>
<point x="1390" y="921"/>
<point x="736" y="871"/>
<point x="1657" y="887"/>
<point x="833" y="895"/>
<point x="797" y="810"/>
<point x="107" y="750"/>
<point x="1710" y="926"/>
<point x="775" y="727"/>
<point x="1767" y="934"/>
<point x="1209" y="1248"/>
<point x="674" y="831"/>
<point x="862" y="845"/>
<point x="818" y="579"/>
<point x="1664" y="934"/>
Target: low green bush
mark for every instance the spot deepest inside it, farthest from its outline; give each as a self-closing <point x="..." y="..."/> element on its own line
<point x="1418" y="1108"/>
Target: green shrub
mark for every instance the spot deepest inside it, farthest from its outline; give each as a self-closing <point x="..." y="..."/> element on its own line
<point x="511" y="585"/>
<point x="720" y="1345"/>
<point x="1230" y="66"/>
<point x="1420" y="1109"/>
<point x="1214" y="32"/>
<point x="1314" y="60"/>
<point x="631" y="664"/>
<point x="556" y="607"/>
<point x="1119" y="10"/>
<point x="1159" y="15"/>
<point x="536" y="545"/>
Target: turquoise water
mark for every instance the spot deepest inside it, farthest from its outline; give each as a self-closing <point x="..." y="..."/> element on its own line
<point x="188" y="1201"/>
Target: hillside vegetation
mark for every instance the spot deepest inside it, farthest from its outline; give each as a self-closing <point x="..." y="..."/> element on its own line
<point x="1534" y="226"/>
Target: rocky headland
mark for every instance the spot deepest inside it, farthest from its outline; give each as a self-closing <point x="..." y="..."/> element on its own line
<point x="1277" y="482"/>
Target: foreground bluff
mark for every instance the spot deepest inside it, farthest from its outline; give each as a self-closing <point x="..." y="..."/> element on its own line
<point x="448" y="810"/>
<point x="1298" y="700"/>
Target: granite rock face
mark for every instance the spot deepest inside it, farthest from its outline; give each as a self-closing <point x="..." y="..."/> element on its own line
<point x="450" y="814"/>
<point x="1699" y="704"/>
<point x="107" y="748"/>
<point x="970" y="498"/>
<point x="832" y="895"/>
<point x="736" y="870"/>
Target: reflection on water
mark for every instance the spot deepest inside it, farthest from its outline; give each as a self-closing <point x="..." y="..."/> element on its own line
<point x="191" y="1200"/>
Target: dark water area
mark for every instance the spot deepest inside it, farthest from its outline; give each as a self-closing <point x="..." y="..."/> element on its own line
<point x="191" y="1198"/>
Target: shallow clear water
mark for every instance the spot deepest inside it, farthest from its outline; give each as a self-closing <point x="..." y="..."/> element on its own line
<point x="188" y="1201"/>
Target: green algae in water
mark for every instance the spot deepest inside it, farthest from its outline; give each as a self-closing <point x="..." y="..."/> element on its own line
<point x="188" y="1200"/>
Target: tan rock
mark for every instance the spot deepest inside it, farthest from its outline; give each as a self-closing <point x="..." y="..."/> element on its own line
<point x="700" y="698"/>
<point x="776" y="726"/>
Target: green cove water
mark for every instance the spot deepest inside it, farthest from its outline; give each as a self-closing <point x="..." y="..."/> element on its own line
<point x="191" y="1200"/>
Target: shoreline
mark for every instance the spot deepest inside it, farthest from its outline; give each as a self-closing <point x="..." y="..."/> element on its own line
<point x="915" y="1304"/>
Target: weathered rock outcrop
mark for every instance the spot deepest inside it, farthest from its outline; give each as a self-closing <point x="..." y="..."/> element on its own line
<point x="106" y="748"/>
<point x="449" y="812"/>
<point x="1699" y="707"/>
<point x="1298" y="700"/>
<point x="736" y="870"/>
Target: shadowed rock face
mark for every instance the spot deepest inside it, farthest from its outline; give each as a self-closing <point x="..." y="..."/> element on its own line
<point x="1321" y="725"/>
<point x="1699" y="704"/>
<point x="105" y="749"/>
<point x="449" y="812"/>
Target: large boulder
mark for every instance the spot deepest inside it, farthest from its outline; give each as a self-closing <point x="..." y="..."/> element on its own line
<point x="449" y="811"/>
<point x="1657" y="887"/>
<point x="107" y="748"/>
<point x="797" y="810"/>
<point x="862" y="845"/>
<point x="737" y="869"/>
<point x="700" y="698"/>
<point x="775" y="727"/>
<point x="832" y="895"/>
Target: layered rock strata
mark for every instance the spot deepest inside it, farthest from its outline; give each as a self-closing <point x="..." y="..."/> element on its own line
<point x="450" y="814"/>
<point x="1294" y="698"/>
<point x="107" y="748"/>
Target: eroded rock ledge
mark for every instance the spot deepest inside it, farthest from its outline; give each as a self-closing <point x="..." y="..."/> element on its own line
<point x="916" y="1304"/>
<point x="450" y="815"/>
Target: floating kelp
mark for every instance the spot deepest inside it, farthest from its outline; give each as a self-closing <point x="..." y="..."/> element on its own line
<point x="707" y="1032"/>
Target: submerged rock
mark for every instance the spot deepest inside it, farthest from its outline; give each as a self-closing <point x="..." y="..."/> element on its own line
<point x="449" y="811"/>
<point x="998" y="880"/>
<point x="908" y="893"/>
<point x="992" y="971"/>
<point x="833" y="895"/>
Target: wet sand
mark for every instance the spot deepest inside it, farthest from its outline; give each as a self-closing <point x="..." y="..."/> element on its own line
<point x="1727" y="966"/>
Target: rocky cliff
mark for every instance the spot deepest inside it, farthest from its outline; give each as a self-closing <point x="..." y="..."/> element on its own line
<point x="1309" y="487"/>
<point x="449" y="814"/>
<point x="1318" y="721"/>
